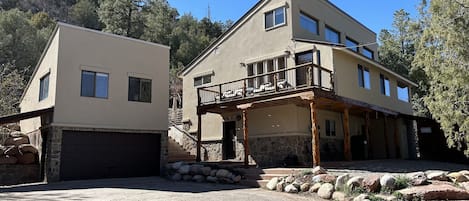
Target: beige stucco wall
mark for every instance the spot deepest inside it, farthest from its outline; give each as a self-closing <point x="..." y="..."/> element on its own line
<point x="346" y="83"/>
<point x="119" y="57"/>
<point x="326" y="13"/>
<point x="30" y="100"/>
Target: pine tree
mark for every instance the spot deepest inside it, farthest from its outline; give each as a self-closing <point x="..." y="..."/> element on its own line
<point x="122" y="17"/>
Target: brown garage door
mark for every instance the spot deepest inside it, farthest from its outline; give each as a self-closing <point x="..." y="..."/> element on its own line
<point x="96" y="155"/>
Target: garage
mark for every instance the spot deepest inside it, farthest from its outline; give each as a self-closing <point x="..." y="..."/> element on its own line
<point x="97" y="155"/>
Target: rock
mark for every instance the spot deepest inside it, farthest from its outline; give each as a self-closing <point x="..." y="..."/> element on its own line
<point x="280" y="186"/>
<point x="290" y="179"/>
<point x="196" y="169"/>
<point x="341" y="181"/>
<point x="437" y="175"/>
<point x="16" y="141"/>
<point x="198" y="178"/>
<point x="371" y="183"/>
<point x="417" y="178"/>
<point x="437" y="191"/>
<point x="315" y="188"/>
<point x="206" y="171"/>
<point x="27" y="148"/>
<point x="326" y="190"/>
<point x="457" y="177"/>
<point x="465" y="185"/>
<point x="305" y="187"/>
<point x="184" y="169"/>
<point x="272" y="184"/>
<point x="211" y="179"/>
<point x="27" y="158"/>
<point x="386" y="197"/>
<point x="291" y="189"/>
<point x="177" y="165"/>
<point x="4" y="160"/>
<point x="297" y="183"/>
<point x="465" y="173"/>
<point x="186" y="177"/>
<point x="236" y="179"/>
<point x="226" y="180"/>
<point x="361" y="197"/>
<point x="176" y="177"/>
<point x="12" y="151"/>
<point x="222" y="173"/>
<point x="338" y="196"/>
<point x="318" y="170"/>
<point x="324" y="178"/>
<point x="387" y="181"/>
<point x="213" y="173"/>
<point x="354" y="182"/>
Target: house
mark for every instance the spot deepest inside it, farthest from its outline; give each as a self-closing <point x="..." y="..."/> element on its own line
<point x="108" y="94"/>
<point x="296" y="82"/>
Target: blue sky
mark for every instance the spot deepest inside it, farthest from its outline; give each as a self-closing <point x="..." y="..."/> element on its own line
<point x="375" y="14"/>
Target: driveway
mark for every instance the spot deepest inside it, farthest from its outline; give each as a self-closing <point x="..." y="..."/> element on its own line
<point x="148" y="188"/>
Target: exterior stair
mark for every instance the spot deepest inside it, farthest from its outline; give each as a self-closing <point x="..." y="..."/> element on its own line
<point x="256" y="177"/>
<point x="177" y="153"/>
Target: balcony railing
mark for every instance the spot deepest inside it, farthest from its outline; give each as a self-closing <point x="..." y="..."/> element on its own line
<point x="303" y="76"/>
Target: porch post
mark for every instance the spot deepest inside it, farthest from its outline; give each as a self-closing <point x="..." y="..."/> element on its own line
<point x="367" y="134"/>
<point x="347" y="152"/>
<point x="396" y="138"/>
<point x="199" y="136"/>
<point x="246" y="137"/>
<point x="386" y="145"/>
<point x="315" y="135"/>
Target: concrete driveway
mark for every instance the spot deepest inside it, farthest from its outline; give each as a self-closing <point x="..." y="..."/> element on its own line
<point x="148" y="188"/>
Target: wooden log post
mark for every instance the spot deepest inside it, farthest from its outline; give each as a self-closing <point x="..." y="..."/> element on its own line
<point x="199" y="137"/>
<point x="386" y="141"/>
<point x="347" y="150"/>
<point x="246" y="137"/>
<point x="367" y="135"/>
<point x="396" y="138"/>
<point x="315" y="135"/>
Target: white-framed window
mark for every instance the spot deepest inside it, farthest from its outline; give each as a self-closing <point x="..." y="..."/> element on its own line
<point x="274" y="18"/>
<point x="94" y="84"/>
<point x="332" y="35"/>
<point x="368" y="53"/>
<point x="363" y="77"/>
<point x="330" y="128"/>
<point x="403" y="92"/>
<point x="200" y="80"/>
<point x="351" y="44"/>
<point x="265" y="67"/>
<point x="309" y="23"/>
<point x="139" y="90"/>
<point x="384" y="85"/>
<point x="44" y="87"/>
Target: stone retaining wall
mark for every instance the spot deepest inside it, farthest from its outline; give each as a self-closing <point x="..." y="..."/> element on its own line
<point x="19" y="174"/>
<point x="272" y="151"/>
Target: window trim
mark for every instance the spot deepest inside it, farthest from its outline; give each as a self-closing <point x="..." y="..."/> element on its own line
<point x="94" y="84"/>
<point x="310" y="18"/>
<point x="327" y="27"/>
<point x="140" y="99"/>
<point x="41" y="87"/>
<point x="274" y="25"/>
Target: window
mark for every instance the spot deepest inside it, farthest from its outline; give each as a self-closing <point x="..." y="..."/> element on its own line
<point x="368" y="53"/>
<point x="384" y="85"/>
<point x="402" y="92"/>
<point x="309" y="23"/>
<point x="351" y="44"/>
<point x="332" y="35"/>
<point x="44" y="87"/>
<point x="363" y="77"/>
<point x="94" y="84"/>
<point x="275" y="18"/>
<point x="330" y="128"/>
<point x="202" y="80"/>
<point x="139" y="90"/>
<point x="264" y="67"/>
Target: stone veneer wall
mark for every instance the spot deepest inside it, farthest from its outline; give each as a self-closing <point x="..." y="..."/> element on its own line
<point x="19" y="174"/>
<point x="54" y="147"/>
<point x="272" y="151"/>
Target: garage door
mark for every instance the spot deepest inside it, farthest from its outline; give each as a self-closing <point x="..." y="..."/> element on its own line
<point x="96" y="155"/>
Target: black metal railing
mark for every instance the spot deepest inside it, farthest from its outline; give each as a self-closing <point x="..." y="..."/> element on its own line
<point x="307" y="75"/>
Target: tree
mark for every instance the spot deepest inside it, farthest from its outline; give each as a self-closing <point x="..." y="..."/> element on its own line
<point x="160" y="19"/>
<point x="443" y="56"/>
<point x="11" y="89"/>
<point x="122" y="17"/>
<point x="85" y="13"/>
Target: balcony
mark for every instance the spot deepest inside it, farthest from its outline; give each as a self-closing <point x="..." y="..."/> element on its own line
<point x="298" y="79"/>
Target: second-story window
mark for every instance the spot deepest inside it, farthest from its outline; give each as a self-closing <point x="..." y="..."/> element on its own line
<point x="266" y="67"/>
<point x="402" y="92"/>
<point x="94" y="84"/>
<point x="363" y="77"/>
<point x="139" y="90"/>
<point x="384" y="85"/>
<point x="274" y="18"/>
<point x="368" y="53"/>
<point x="206" y="79"/>
<point x="44" y="87"/>
<point x="309" y="23"/>
<point x="351" y="44"/>
<point x="332" y="35"/>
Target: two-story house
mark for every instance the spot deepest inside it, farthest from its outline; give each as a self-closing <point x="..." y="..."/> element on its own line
<point x="296" y="82"/>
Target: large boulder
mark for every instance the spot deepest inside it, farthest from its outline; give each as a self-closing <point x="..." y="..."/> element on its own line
<point x="213" y="173"/>
<point x="371" y="183"/>
<point x="12" y="151"/>
<point x="315" y="188"/>
<point x="457" y="177"/>
<point x="341" y="181"/>
<point x="196" y="169"/>
<point x="354" y="182"/>
<point x="437" y="191"/>
<point x="27" y="148"/>
<point x="206" y="171"/>
<point x="26" y="159"/>
<point x="290" y="179"/>
<point x="339" y="196"/>
<point x="417" y="178"/>
<point x="16" y="141"/>
<point x="291" y="189"/>
<point x="305" y="187"/>
<point x="280" y="186"/>
<point x="184" y="169"/>
<point x="437" y="175"/>
<point x="272" y="184"/>
<point x="5" y="160"/>
<point x="387" y="181"/>
<point x="325" y="191"/>
<point x="222" y="173"/>
<point x="318" y="170"/>
<point x="324" y="178"/>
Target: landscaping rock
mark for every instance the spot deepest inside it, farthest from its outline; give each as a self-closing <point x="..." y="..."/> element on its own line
<point x="291" y="189"/>
<point x="206" y="171"/>
<point x="297" y="183"/>
<point x="371" y="183"/>
<point x="417" y="178"/>
<point x="305" y="187"/>
<point x="176" y="177"/>
<point x="281" y="186"/>
<point x="341" y="181"/>
<point x="386" y="197"/>
<point x="198" y="178"/>
<point x="439" y="191"/>
<point x="5" y="160"/>
<point x="338" y="196"/>
<point x="326" y="190"/>
<point x="211" y="179"/>
<point x="236" y="179"/>
<point x="26" y="159"/>
<point x="213" y="173"/>
<point x="290" y="179"/>
<point x="27" y="148"/>
<point x="324" y="178"/>
<point x="186" y="177"/>
<point x="177" y="165"/>
<point x="318" y="170"/>
<point x="387" y="181"/>
<point x="457" y="177"/>
<point x="196" y="169"/>
<point x="16" y="141"/>
<point x="437" y="175"/>
<point x="465" y="185"/>
<point x="272" y="184"/>
<point x="12" y="151"/>
<point x="222" y="173"/>
<point x="315" y="188"/>
<point x="354" y="182"/>
<point x="361" y="197"/>
<point x="184" y="169"/>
